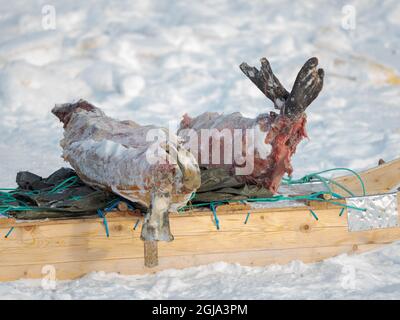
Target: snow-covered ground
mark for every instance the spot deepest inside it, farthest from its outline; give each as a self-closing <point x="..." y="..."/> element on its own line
<point x="152" y="61"/>
<point x="370" y="276"/>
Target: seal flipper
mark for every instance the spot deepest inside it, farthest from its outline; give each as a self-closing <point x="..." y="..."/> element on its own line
<point x="308" y="85"/>
<point x="267" y="82"/>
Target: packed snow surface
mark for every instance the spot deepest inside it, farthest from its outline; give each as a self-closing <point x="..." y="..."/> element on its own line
<point x="153" y="61"/>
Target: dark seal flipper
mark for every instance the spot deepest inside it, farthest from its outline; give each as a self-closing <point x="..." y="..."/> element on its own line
<point x="267" y="82"/>
<point x="308" y="85"/>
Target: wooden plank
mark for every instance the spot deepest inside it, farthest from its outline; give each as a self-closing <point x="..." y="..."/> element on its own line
<point x="259" y="221"/>
<point x="182" y="225"/>
<point x="259" y="233"/>
<point x="115" y="215"/>
<point x="76" y="269"/>
<point x="150" y="254"/>
<point x="377" y="180"/>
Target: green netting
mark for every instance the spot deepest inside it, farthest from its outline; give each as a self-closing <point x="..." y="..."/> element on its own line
<point x="62" y="194"/>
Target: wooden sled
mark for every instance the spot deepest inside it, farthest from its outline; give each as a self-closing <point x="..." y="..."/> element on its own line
<point x="274" y="235"/>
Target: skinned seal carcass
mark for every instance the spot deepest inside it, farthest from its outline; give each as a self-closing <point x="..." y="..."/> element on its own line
<point x="275" y="136"/>
<point x="123" y="157"/>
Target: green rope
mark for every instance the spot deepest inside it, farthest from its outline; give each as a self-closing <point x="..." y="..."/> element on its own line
<point x="213" y="206"/>
<point x="311" y="197"/>
<point x="7" y="199"/>
<point x="64" y="185"/>
<point x="247" y="217"/>
<point x="4" y="212"/>
<point x="317" y="176"/>
<point x="136" y="224"/>
<point x="314" y="214"/>
<point x="103" y="216"/>
<point x="9" y="232"/>
<point x="192" y="196"/>
<point x="75" y="198"/>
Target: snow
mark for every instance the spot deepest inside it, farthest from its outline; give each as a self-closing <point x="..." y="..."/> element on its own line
<point x="369" y="276"/>
<point x="152" y="61"/>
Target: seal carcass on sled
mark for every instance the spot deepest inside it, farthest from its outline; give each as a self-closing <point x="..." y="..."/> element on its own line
<point x="114" y="155"/>
<point x="274" y="136"/>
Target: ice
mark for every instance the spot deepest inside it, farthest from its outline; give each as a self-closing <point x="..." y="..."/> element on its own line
<point x="153" y="61"/>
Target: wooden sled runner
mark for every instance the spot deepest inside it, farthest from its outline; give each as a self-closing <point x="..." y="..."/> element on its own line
<point x="248" y="235"/>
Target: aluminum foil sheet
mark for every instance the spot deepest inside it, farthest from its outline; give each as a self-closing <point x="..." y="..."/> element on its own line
<point x="277" y="204"/>
<point x="396" y="188"/>
<point x="302" y="188"/>
<point x="381" y="212"/>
